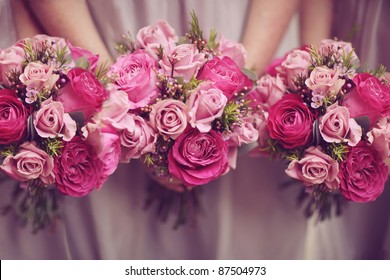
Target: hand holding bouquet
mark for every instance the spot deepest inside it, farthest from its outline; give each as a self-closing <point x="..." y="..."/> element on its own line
<point x="329" y="121"/>
<point x="48" y="95"/>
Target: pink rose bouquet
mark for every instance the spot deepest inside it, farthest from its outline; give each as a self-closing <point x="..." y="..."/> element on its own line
<point x="329" y="121"/>
<point x="49" y="93"/>
<point x="179" y="105"/>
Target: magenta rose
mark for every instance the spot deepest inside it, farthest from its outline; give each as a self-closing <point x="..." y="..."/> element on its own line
<point x="205" y="103"/>
<point x="268" y="91"/>
<point x="226" y="75"/>
<point x="290" y="122"/>
<point x="39" y="76"/>
<point x="135" y="74"/>
<point x="156" y="36"/>
<point x="183" y="60"/>
<point x="232" y="49"/>
<point x="51" y="121"/>
<point x="136" y="137"/>
<point x="169" y="117"/>
<point x="29" y="163"/>
<point x="83" y="93"/>
<point x="295" y="64"/>
<point x="369" y="98"/>
<point x="11" y="59"/>
<point x="363" y="174"/>
<point x="78" y="169"/>
<point x="197" y="158"/>
<point x="13" y="118"/>
<point x="315" y="168"/>
<point x="337" y="126"/>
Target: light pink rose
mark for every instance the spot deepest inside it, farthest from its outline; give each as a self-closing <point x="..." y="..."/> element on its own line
<point x="315" y="168"/>
<point x="379" y="137"/>
<point x="369" y="98"/>
<point x="81" y="56"/>
<point x="205" y="103"/>
<point x="40" y="41"/>
<point x="155" y="36"/>
<point x="114" y="108"/>
<point x="136" y="136"/>
<point x="169" y="117"/>
<point x="78" y="170"/>
<point x="325" y="81"/>
<point x="296" y="64"/>
<point x="84" y="93"/>
<point x="234" y="50"/>
<point x="51" y="121"/>
<point x="363" y="174"/>
<point x="105" y="141"/>
<point x="268" y="91"/>
<point x="10" y="59"/>
<point x="337" y="126"/>
<point x="183" y="60"/>
<point x="39" y="76"/>
<point x="29" y="163"/>
<point x="135" y="74"/>
<point x="197" y="158"/>
<point x="260" y="124"/>
<point x="244" y="134"/>
<point x="340" y="49"/>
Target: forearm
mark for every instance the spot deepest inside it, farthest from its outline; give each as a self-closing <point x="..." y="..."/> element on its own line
<point x="265" y="27"/>
<point x="315" y="20"/>
<point x="72" y="20"/>
<point x="25" y="23"/>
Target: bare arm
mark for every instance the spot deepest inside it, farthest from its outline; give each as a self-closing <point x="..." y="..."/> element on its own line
<point x="265" y="27"/>
<point x="25" y="23"/>
<point x="71" y="19"/>
<point x="315" y="20"/>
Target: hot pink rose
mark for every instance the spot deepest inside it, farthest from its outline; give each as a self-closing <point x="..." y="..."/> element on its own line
<point x="315" y="168"/>
<point x="183" y="60"/>
<point x="296" y="64"/>
<point x="369" y="98"/>
<point x="197" y="158"/>
<point x="155" y="36"/>
<point x="39" y="76"/>
<point x="206" y="103"/>
<point x="78" y="169"/>
<point x="325" y="81"/>
<point x="10" y="59"/>
<point x="135" y="74"/>
<point x="83" y="93"/>
<point x="290" y="122"/>
<point x="13" y="118"/>
<point x="136" y="137"/>
<point x="337" y="126"/>
<point x="51" y="121"/>
<point x="244" y="134"/>
<point x="268" y="91"/>
<point x="83" y="56"/>
<point x="226" y="76"/>
<point x="363" y="174"/>
<point x="234" y="50"/>
<point x="169" y="117"/>
<point x="379" y="137"/>
<point x="29" y="163"/>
